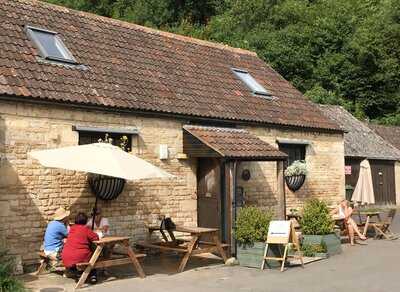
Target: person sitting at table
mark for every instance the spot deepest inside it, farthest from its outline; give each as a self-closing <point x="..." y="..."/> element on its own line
<point x="344" y="211"/>
<point x="77" y="248"/>
<point x="55" y="235"/>
<point x="101" y="224"/>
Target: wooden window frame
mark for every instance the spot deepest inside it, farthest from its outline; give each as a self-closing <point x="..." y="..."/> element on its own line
<point x="294" y="151"/>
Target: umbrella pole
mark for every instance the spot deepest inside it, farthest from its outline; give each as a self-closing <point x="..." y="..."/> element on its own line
<point x="94" y="213"/>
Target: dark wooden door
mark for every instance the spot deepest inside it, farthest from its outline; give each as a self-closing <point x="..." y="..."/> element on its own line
<point x="209" y="193"/>
<point x="383" y="181"/>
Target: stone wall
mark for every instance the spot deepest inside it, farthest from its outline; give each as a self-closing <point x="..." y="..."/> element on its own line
<point x="29" y="193"/>
<point x="325" y="163"/>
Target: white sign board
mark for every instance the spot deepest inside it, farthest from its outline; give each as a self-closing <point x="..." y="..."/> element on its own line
<point x="278" y="232"/>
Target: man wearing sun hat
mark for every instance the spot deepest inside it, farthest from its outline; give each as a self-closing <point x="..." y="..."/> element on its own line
<point x="56" y="232"/>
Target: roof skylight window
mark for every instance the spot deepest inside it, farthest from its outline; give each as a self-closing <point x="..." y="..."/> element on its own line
<point x="255" y="87"/>
<point x="50" y="45"/>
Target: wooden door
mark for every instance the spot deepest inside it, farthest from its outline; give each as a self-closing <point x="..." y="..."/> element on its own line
<point x="384" y="181"/>
<point x="351" y="177"/>
<point x="209" y="208"/>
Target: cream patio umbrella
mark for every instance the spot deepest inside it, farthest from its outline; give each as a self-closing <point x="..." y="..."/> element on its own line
<point x="364" y="190"/>
<point x="110" y="162"/>
<point x="99" y="158"/>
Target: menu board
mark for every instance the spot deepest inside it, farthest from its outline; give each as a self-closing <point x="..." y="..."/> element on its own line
<point x="279" y="232"/>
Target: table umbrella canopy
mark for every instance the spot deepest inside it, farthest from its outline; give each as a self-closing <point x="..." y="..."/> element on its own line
<point x="99" y="158"/>
<point x="364" y="190"/>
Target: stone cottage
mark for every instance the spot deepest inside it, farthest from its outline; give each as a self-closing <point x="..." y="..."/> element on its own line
<point x="218" y="118"/>
<point x="361" y="142"/>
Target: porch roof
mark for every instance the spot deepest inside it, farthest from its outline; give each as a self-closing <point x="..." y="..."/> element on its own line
<point x="232" y="143"/>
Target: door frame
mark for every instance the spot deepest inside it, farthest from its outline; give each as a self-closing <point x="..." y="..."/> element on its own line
<point x="223" y="232"/>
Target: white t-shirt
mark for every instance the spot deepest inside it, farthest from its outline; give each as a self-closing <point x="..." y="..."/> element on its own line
<point x="103" y="222"/>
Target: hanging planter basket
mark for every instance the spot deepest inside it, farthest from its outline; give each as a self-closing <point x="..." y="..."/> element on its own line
<point x="295" y="182"/>
<point x="106" y="187"/>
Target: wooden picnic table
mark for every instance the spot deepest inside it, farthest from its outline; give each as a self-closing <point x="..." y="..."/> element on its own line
<point x="369" y="215"/>
<point x="97" y="262"/>
<point x="188" y="248"/>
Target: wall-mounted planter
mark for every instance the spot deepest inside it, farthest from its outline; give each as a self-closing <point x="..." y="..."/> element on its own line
<point x="295" y="182"/>
<point x="106" y="187"/>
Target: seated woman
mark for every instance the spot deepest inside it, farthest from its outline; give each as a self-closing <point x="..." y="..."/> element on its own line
<point x="77" y="248"/>
<point x="101" y="224"/>
<point x="344" y="211"/>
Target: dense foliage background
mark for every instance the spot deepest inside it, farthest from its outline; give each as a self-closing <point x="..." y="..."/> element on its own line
<point x="335" y="51"/>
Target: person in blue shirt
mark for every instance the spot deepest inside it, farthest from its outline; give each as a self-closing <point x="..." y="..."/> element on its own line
<point x="55" y="234"/>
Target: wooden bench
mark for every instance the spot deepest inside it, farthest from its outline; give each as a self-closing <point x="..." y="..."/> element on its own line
<point x="104" y="263"/>
<point x="44" y="262"/>
<point x="188" y="248"/>
<point x="97" y="262"/>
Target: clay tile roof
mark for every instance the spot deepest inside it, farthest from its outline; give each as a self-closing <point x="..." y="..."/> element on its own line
<point x="235" y="143"/>
<point x="390" y="133"/>
<point x="130" y="67"/>
<point x="359" y="140"/>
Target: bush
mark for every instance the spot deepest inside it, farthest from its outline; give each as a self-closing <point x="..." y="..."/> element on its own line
<point x="298" y="167"/>
<point x="252" y="225"/>
<point x="316" y="219"/>
<point x="7" y="281"/>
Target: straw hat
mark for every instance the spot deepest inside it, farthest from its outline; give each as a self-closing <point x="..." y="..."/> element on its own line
<point x="61" y="214"/>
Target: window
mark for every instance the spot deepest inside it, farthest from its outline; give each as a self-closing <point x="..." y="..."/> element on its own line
<point x="255" y="87"/>
<point x="94" y="137"/>
<point x="88" y="135"/>
<point x="50" y="45"/>
<point x="294" y="152"/>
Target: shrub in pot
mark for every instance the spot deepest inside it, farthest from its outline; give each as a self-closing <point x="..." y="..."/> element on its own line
<point x="314" y="250"/>
<point x="318" y="227"/>
<point x="251" y="230"/>
<point x="295" y="175"/>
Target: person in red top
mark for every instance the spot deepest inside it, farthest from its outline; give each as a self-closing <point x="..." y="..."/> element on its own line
<point x="77" y="248"/>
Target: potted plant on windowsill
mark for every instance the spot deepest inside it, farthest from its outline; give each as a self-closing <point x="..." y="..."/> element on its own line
<point x="251" y="230"/>
<point x="295" y="175"/>
<point x="318" y="227"/>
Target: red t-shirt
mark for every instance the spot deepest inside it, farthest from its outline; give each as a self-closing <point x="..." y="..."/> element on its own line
<point x="77" y="248"/>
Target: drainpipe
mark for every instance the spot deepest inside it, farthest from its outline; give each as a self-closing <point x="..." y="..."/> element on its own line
<point x="233" y="173"/>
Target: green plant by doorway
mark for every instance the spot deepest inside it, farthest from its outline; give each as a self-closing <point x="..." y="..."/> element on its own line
<point x="252" y="225"/>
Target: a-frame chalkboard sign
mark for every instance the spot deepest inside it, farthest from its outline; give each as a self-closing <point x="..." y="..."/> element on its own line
<point x="283" y="233"/>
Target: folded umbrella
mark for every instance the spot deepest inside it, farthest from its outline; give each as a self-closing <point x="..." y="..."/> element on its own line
<point x="364" y="190"/>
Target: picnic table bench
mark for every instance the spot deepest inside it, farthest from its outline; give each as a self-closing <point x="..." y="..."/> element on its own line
<point x="188" y="248"/>
<point x="97" y="262"/>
